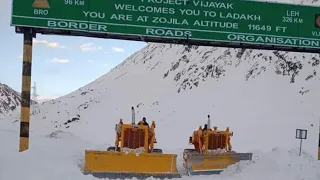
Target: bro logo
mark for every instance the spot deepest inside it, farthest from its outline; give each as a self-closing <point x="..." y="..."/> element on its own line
<point x="41" y="4"/>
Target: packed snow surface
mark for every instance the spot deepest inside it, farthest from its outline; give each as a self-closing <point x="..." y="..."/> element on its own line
<point x="137" y="151"/>
<point x="59" y="155"/>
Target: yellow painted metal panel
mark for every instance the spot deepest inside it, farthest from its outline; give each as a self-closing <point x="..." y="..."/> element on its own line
<point x="211" y="162"/>
<point x="108" y="161"/>
<point x="24" y="143"/>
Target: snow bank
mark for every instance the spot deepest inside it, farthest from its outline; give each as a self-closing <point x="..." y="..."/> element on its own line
<point x="53" y="158"/>
<point x="279" y="164"/>
<point x="136" y="151"/>
<point x="48" y="158"/>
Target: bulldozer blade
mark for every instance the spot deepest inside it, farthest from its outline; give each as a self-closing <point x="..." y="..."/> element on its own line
<point x="111" y="164"/>
<point x="208" y="164"/>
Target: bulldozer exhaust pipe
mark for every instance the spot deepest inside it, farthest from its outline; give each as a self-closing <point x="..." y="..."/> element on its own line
<point x="133" y="115"/>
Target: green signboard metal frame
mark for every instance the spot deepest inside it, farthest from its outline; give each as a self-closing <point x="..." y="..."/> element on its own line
<point x="232" y="23"/>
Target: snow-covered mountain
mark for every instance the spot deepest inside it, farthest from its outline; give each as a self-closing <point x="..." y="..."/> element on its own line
<point x="268" y="93"/>
<point x="9" y="100"/>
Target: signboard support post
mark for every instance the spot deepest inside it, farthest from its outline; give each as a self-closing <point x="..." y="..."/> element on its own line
<point x="300" y="147"/>
<point x="28" y="35"/>
<point x="319" y="140"/>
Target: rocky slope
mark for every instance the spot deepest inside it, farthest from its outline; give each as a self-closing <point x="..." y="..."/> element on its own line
<point x="9" y="100"/>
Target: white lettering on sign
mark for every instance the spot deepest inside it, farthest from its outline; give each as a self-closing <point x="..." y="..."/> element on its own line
<point x="143" y="18"/>
<point x="190" y="12"/>
<point x="273" y="40"/>
<point x="195" y="8"/>
<point x="210" y="13"/>
<point x="94" y="14"/>
<point x="217" y="5"/>
<point x="168" y="32"/>
<point x="316" y="33"/>
<point x="216" y="24"/>
<point x="123" y="17"/>
<point x="42" y="12"/>
<point x="237" y="16"/>
<point x="78" y="3"/>
<point x="171" y="2"/>
<point x="258" y="27"/>
<point x="77" y="25"/>
<point x="292" y="19"/>
<point x="175" y="21"/>
<point x="281" y="29"/>
<point x="74" y="2"/>
<point x="293" y="13"/>
<point x="149" y="9"/>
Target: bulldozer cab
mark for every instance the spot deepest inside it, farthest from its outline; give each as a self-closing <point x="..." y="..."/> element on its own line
<point x="210" y="139"/>
<point x="215" y="139"/>
<point x="131" y="136"/>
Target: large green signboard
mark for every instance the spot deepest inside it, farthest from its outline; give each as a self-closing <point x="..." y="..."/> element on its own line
<point x="235" y="21"/>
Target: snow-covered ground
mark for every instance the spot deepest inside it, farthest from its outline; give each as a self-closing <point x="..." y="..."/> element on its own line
<point x="60" y="156"/>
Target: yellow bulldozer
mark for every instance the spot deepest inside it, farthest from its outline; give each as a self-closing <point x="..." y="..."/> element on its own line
<point x="212" y="151"/>
<point x="133" y="155"/>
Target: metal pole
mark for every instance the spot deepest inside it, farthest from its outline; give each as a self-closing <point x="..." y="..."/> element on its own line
<point x="25" y="90"/>
<point x="319" y="139"/>
<point x="300" y="147"/>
